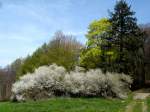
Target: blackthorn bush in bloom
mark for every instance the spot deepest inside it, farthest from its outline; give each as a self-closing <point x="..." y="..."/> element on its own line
<point x="53" y="80"/>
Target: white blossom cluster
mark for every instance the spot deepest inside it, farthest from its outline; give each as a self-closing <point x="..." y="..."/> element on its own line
<point x="53" y="80"/>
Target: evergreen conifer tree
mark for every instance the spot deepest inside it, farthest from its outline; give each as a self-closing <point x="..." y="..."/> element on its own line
<point x="127" y="39"/>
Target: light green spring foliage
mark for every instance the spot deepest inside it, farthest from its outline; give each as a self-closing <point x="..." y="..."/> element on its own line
<point x="94" y="56"/>
<point x="62" y="50"/>
<point x="97" y="28"/>
<point x="91" y="58"/>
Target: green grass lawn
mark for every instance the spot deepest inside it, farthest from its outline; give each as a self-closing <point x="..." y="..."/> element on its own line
<point x="66" y="105"/>
<point x="137" y="107"/>
<point x="148" y="104"/>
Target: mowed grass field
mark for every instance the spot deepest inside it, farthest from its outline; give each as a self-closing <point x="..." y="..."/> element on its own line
<point x="148" y="104"/>
<point x="67" y="105"/>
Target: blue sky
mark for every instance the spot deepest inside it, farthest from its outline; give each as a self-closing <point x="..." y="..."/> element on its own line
<point x="27" y="24"/>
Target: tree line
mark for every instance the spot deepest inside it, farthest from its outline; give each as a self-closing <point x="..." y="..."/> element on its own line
<point x="114" y="44"/>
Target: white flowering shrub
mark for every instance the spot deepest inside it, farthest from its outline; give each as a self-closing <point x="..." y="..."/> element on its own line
<point x="53" y="80"/>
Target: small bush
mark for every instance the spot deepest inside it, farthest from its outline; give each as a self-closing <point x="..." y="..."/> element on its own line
<point x="53" y="80"/>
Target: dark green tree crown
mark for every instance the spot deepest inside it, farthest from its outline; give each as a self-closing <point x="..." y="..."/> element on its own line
<point x="123" y="19"/>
